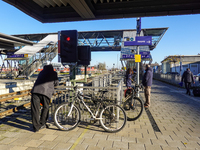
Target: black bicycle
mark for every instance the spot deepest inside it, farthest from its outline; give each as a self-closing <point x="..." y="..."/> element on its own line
<point x="133" y="105"/>
<point x="112" y="117"/>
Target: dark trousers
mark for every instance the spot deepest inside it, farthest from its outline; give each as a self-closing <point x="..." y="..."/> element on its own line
<point x="38" y="119"/>
<point x="187" y="86"/>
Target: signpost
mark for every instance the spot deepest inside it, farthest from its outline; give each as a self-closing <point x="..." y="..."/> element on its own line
<point x="139" y="41"/>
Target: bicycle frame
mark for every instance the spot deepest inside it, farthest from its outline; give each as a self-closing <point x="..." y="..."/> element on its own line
<point x="79" y="98"/>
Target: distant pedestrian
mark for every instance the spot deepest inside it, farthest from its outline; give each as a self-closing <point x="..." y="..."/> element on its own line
<point x="20" y="69"/>
<point x="188" y="79"/>
<point x="42" y="92"/>
<point x="129" y="76"/>
<point x="147" y="83"/>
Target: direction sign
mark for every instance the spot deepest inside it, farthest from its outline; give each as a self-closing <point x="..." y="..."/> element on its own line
<point x="132" y="56"/>
<point x="139" y="40"/>
<point x="17" y="56"/>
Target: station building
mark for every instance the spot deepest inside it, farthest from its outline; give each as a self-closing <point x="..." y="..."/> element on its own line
<point x="179" y="63"/>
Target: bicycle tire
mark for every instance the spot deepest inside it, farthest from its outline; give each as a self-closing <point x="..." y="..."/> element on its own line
<point x="135" y="111"/>
<point x="65" y="122"/>
<point x="109" y="117"/>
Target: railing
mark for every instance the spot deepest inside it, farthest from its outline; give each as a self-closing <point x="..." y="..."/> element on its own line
<point x="65" y="94"/>
<point x="172" y="79"/>
<point x="39" y="59"/>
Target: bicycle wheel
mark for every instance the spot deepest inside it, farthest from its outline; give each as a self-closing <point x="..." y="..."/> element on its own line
<point x="135" y="111"/>
<point x="113" y="118"/>
<point x="65" y="121"/>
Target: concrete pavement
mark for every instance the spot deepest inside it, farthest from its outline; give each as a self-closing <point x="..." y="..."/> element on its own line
<point x="175" y="114"/>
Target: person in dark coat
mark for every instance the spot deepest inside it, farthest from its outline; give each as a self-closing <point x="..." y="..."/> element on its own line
<point x="129" y="76"/>
<point x="42" y="92"/>
<point x="147" y="83"/>
<point x="20" y="69"/>
<point x="188" y="79"/>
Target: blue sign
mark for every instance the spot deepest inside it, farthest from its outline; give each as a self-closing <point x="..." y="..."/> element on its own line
<point x="17" y="56"/>
<point x="139" y="40"/>
<point x="132" y="56"/>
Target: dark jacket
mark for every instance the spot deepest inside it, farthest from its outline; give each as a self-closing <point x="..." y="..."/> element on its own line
<point x="187" y="76"/>
<point x="148" y="76"/>
<point x="46" y="81"/>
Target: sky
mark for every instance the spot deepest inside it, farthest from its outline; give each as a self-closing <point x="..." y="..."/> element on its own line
<point x="182" y="37"/>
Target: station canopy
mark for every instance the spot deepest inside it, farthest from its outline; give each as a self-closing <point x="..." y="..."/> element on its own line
<point x="111" y="40"/>
<point x="47" y="11"/>
<point x="8" y="42"/>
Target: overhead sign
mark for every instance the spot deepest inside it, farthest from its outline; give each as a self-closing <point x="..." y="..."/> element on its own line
<point x="139" y="40"/>
<point x="17" y="56"/>
<point x="132" y="56"/>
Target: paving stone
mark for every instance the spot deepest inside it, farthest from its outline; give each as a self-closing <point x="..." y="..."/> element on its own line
<point x="89" y="141"/>
<point x="129" y="139"/>
<point x="137" y="146"/>
<point x="105" y="143"/>
<point x="80" y="147"/>
<point x="75" y="139"/>
<point x="18" y="148"/>
<point x="10" y="134"/>
<point x="5" y="147"/>
<point x="100" y="137"/>
<point x="47" y="145"/>
<point x="33" y="143"/>
<point x="21" y="141"/>
<point x="119" y="144"/>
<point x="159" y="142"/>
<point x="94" y="148"/>
<point x="114" y="138"/>
<point x="110" y="148"/>
<point x="36" y="136"/>
<point x="7" y="140"/>
<point x="48" y="137"/>
<point x="63" y="146"/>
<point x="63" y="139"/>
<point x="47" y="131"/>
<point x="169" y="148"/>
<point x="152" y="147"/>
<point x="143" y="140"/>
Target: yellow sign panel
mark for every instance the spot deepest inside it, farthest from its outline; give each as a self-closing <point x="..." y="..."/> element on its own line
<point x="137" y="58"/>
<point x="25" y="55"/>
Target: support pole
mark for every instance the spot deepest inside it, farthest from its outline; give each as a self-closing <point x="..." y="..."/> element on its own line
<point x="138" y="52"/>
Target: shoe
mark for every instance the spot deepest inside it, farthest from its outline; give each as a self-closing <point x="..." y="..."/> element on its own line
<point x="42" y="127"/>
<point x="146" y="106"/>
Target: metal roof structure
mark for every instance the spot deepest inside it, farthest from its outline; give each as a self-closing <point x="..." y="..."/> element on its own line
<point x="110" y="40"/>
<point x="8" y="42"/>
<point x="47" y="11"/>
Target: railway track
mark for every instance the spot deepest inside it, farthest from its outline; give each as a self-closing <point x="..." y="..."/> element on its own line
<point x="13" y="102"/>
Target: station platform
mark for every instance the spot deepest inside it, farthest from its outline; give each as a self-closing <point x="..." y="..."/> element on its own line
<point x="12" y="85"/>
<point x="171" y="123"/>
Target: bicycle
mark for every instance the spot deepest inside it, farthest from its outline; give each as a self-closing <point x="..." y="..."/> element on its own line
<point x="133" y="105"/>
<point x="112" y="117"/>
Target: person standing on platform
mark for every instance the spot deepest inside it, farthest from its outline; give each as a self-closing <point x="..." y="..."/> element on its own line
<point x="188" y="79"/>
<point x="129" y="76"/>
<point x="147" y="82"/>
<point x="42" y="92"/>
<point x="20" y="69"/>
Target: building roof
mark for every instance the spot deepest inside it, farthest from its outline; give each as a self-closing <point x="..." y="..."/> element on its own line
<point x="47" y="11"/>
<point x="178" y="58"/>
